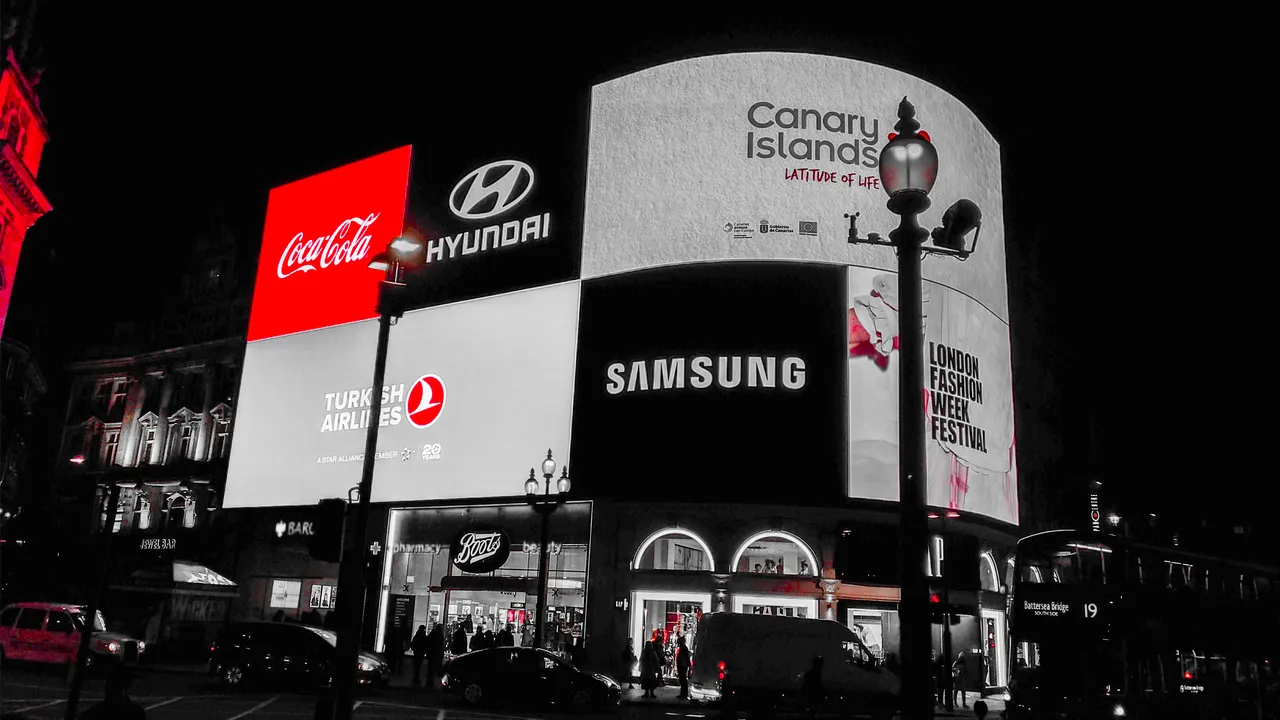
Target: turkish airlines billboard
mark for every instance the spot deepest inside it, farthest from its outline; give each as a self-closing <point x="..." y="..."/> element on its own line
<point x="475" y="393"/>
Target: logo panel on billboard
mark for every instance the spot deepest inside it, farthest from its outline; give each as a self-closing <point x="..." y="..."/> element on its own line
<point x="491" y="190"/>
<point x="425" y="401"/>
<point x="319" y="235"/>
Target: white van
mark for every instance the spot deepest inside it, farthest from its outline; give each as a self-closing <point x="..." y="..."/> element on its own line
<point x="763" y="658"/>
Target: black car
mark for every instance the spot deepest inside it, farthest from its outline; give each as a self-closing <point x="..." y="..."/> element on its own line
<point x="527" y="675"/>
<point x="284" y="653"/>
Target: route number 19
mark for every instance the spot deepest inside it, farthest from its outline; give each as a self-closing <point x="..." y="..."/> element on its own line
<point x="1091" y="610"/>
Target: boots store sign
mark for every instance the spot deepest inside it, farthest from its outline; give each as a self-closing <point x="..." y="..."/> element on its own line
<point x="480" y="549"/>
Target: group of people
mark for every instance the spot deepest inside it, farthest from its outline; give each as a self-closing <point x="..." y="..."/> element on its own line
<point x="312" y="617"/>
<point x="959" y="671"/>
<point x="653" y="659"/>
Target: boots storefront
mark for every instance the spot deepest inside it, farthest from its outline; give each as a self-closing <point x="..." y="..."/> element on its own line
<point x="475" y="570"/>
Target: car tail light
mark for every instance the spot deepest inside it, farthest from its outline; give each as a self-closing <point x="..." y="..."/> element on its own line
<point x="113" y="647"/>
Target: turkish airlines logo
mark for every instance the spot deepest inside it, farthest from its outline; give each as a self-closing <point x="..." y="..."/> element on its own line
<point x="491" y="190"/>
<point x="302" y="256"/>
<point x="425" y="401"/>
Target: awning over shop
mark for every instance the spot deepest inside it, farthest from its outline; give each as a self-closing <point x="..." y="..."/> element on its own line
<point x="178" y="577"/>
<point x="194" y="574"/>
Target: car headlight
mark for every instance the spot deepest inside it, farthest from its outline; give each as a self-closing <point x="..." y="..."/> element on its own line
<point x="366" y="666"/>
<point x="1117" y="710"/>
<point x="141" y="646"/>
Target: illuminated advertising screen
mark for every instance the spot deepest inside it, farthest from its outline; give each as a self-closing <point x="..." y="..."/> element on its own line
<point x="475" y="393"/>
<point x="317" y="241"/>
<point x="497" y="217"/>
<point x="696" y="377"/>
<point x="968" y="398"/>
<point x="771" y="156"/>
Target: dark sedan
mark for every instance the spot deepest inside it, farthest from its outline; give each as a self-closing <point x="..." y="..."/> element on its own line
<point x="527" y="675"/>
<point x="249" y="653"/>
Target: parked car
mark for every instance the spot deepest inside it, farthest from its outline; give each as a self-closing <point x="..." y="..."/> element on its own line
<point x="762" y="659"/>
<point x="47" y="632"/>
<point x="284" y="653"/>
<point x="527" y="674"/>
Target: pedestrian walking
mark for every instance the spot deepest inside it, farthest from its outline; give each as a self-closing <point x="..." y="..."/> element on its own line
<point x="650" y="666"/>
<point x="960" y="679"/>
<point x="629" y="662"/>
<point x="117" y="705"/>
<point x="814" y="692"/>
<point x="419" y="648"/>
<point x="458" y="643"/>
<point x="435" y="653"/>
<point x="396" y="647"/>
<point x="683" y="661"/>
<point x="506" y="638"/>
<point x="940" y="672"/>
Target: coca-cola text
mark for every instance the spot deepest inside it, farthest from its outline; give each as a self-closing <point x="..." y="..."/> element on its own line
<point x="334" y="249"/>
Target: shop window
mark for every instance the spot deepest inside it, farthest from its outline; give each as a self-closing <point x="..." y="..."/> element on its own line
<point x="775" y="553"/>
<point x="869" y="626"/>
<point x="141" y="512"/>
<point x="285" y="594"/>
<point x="674" y="549"/>
<point x="989" y="578"/>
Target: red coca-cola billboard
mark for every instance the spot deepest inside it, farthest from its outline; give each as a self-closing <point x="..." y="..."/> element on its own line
<point x="319" y="236"/>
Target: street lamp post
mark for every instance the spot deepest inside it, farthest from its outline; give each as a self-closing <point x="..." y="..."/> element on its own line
<point x="95" y="603"/>
<point x="403" y="255"/>
<point x="908" y="170"/>
<point x="544" y="507"/>
<point x="948" y="684"/>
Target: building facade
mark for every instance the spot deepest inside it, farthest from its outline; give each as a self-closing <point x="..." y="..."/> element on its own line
<point x="23" y="134"/>
<point x="689" y="330"/>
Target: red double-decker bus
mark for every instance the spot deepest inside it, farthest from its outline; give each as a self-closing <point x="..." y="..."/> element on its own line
<point x="1105" y="627"/>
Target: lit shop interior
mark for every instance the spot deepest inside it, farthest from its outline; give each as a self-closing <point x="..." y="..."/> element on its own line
<point x="673" y="584"/>
<point x="423" y="586"/>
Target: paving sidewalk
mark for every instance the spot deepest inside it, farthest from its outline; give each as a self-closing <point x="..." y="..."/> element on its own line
<point x="670" y="696"/>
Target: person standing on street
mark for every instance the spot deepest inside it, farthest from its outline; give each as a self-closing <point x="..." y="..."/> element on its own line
<point x="419" y="648"/>
<point x="458" y="643"/>
<point x="815" y="693"/>
<point x="682" y="667"/>
<point x="117" y="705"/>
<point x="650" y="666"/>
<point x="960" y="679"/>
<point x="435" y="653"/>
<point x="629" y="662"/>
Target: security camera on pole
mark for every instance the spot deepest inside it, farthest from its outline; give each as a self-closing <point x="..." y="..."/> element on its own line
<point x="908" y="169"/>
<point x="403" y="254"/>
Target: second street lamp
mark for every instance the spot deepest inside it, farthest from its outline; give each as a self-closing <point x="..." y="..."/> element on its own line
<point x="908" y="170"/>
<point x="544" y="506"/>
<point x="404" y="254"/>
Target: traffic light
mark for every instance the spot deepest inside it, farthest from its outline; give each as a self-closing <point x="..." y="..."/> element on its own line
<point x="938" y="610"/>
<point x="327" y="530"/>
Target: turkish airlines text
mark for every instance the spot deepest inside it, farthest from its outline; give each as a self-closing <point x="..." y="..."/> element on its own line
<point x="350" y="409"/>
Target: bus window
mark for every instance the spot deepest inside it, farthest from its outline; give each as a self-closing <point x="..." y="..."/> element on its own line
<point x="1081" y="564"/>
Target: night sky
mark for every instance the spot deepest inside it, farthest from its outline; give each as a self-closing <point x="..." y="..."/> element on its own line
<point x="1136" y="343"/>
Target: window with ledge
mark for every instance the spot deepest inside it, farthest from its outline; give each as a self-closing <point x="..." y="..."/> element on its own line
<point x="221" y="438"/>
<point x="775" y="552"/>
<point x="285" y="594"/>
<point x="177" y="512"/>
<point x="110" y="448"/>
<point x="673" y="549"/>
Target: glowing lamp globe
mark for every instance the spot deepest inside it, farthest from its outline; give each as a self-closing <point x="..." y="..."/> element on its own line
<point x="563" y="484"/>
<point x="531" y="485"/>
<point x="908" y="163"/>
<point x="548" y="466"/>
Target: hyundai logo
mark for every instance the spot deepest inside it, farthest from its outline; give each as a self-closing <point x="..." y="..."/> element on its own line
<point x="491" y="189"/>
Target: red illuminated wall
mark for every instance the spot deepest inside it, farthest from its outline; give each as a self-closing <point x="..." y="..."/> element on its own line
<point x="22" y="139"/>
